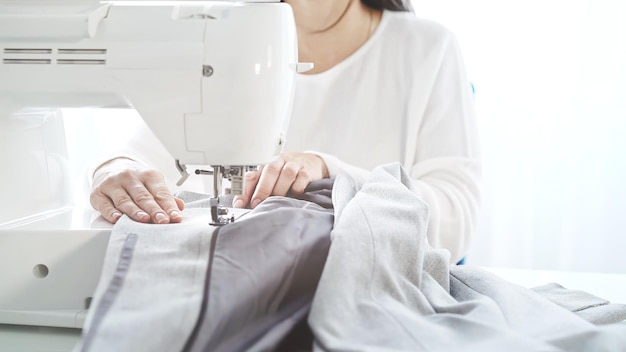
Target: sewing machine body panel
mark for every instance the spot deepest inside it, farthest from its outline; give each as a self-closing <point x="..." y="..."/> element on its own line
<point x="212" y="80"/>
<point x="177" y="67"/>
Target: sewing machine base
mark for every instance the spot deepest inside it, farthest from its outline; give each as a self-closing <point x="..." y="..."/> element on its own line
<point x="53" y="263"/>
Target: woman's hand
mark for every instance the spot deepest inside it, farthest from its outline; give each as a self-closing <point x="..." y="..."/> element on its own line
<point x="123" y="186"/>
<point x="288" y="173"/>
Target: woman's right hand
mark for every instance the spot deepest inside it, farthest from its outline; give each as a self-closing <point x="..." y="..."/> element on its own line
<point x="124" y="186"/>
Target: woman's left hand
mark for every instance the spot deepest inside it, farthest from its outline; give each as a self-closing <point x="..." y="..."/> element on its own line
<point x="288" y="173"/>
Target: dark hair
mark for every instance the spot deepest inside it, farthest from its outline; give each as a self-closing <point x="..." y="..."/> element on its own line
<point x="393" y="5"/>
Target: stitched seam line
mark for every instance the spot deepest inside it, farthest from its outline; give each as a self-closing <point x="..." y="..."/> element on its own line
<point x="205" y="299"/>
<point x="113" y="290"/>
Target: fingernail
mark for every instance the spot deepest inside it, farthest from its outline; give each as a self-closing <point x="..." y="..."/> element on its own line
<point x="141" y="215"/>
<point x="116" y="215"/>
<point x="175" y="214"/>
<point x="255" y="203"/>
<point x="238" y="204"/>
<point x="160" y="218"/>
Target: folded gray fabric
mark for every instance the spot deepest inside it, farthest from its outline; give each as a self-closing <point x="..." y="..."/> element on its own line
<point x="385" y="289"/>
<point x="245" y="286"/>
<point x="589" y="307"/>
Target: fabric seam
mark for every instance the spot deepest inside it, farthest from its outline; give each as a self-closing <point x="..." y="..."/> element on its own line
<point x="205" y="299"/>
<point x="113" y="289"/>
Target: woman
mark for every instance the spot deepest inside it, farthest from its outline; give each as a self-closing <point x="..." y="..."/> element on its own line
<point x="386" y="87"/>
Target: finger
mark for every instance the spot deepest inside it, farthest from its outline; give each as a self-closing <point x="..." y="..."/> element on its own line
<point x="267" y="180"/>
<point x="286" y="178"/>
<point x="113" y="188"/>
<point x="315" y="186"/>
<point x="251" y="178"/>
<point x="180" y="203"/>
<point x="302" y="181"/>
<point x="103" y="204"/>
<point x="123" y="201"/>
<point x="146" y="201"/>
<point x="168" y="210"/>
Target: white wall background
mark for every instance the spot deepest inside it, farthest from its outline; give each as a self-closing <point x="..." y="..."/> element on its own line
<point x="550" y="78"/>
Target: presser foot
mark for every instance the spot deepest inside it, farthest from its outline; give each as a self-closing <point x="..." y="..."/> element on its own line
<point x="219" y="214"/>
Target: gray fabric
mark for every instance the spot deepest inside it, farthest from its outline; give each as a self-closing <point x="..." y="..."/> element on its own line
<point x="162" y="289"/>
<point x="111" y="293"/>
<point x="244" y="286"/>
<point x="263" y="276"/>
<point x="589" y="307"/>
<point x="318" y="192"/>
<point x="192" y="286"/>
<point x="385" y="289"/>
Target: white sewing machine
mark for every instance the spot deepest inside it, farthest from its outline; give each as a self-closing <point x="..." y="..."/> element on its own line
<point x="213" y="80"/>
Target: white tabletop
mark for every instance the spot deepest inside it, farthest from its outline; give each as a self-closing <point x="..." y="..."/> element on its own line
<point x="18" y="338"/>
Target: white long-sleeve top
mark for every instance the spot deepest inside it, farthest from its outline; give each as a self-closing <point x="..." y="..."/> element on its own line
<point x="403" y="96"/>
